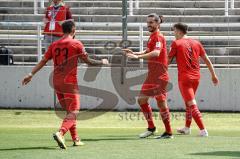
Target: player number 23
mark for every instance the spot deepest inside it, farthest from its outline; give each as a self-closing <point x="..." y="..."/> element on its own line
<point x="61" y="52"/>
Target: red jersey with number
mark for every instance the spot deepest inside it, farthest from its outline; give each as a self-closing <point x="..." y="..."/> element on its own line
<point x="57" y="15"/>
<point x="157" y="66"/>
<point x="187" y="52"/>
<point x="65" y="54"/>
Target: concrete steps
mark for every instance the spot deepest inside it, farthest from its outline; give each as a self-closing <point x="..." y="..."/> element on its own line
<point x="145" y="3"/>
<point x="118" y="11"/>
<point x="220" y="34"/>
<point x="118" y="18"/>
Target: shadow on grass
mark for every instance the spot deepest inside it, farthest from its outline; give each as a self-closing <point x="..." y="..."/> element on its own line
<point x="111" y="139"/>
<point x="219" y="153"/>
<point x="29" y="148"/>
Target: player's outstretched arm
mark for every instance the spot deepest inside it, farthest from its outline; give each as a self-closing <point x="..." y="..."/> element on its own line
<point x="148" y="55"/>
<point x="38" y="67"/>
<point x="211" y="69"/>
<point x="128" y="51"/>
<point x="93" y="62"/>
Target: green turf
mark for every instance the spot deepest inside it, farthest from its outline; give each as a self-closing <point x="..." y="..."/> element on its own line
<point x="26" y="134"/>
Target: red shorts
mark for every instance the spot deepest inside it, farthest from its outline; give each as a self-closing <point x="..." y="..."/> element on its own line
<point x="188" y="89"/>
<point x="67" y="93"/>
<point x="156" y="90"/>
<point x="69" y="102"/>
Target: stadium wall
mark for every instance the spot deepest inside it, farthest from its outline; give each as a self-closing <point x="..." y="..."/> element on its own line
<point x="101" y="88"/>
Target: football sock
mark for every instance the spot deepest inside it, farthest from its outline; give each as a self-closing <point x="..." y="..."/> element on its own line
<point x="73" y="131"/>
<point x="197" y="116"/>
<point x="147" y="112"/>
<point x="188" y="117"/>
<point x="165" y="114"/>
<point x="67" y="123"/>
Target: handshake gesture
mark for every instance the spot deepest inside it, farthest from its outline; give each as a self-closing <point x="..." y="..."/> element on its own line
<point x="129" y="53"/>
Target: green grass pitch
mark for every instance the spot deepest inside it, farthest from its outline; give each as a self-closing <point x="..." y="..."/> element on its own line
<point x="27" y="134"/>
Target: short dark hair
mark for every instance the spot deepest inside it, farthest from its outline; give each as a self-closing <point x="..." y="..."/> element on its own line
<point x="182" y="27"/>
<point x="67" y="26"/>
<point x="158" y="18"/>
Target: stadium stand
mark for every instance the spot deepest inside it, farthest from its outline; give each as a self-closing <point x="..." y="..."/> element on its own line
<point x="100" y="22"/>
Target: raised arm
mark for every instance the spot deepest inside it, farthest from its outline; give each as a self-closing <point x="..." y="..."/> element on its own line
<point x="93" y="62"/>
<point x="135" y="53"/>
<point x="148" y="55"/>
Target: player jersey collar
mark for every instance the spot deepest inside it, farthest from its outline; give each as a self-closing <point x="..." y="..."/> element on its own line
<point x="155" y="33"/>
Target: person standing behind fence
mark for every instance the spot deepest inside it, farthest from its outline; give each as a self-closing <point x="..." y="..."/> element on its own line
<point x="55" y="15"/>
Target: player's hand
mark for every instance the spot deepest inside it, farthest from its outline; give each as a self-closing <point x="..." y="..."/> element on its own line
<point x="127" y="51"/>
<point x="215" y="80"/>
<point x="105" y="62"/>
<point x="26" y="79"/>
<point x="133" y="56"/>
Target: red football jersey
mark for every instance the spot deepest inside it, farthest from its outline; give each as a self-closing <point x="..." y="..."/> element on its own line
<point x="187" y="52"/>
<point x="157" y="66"/>
<point x="65" y="54"/>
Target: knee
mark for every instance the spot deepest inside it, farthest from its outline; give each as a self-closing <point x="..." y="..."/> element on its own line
<point x="72" y="114"/>
<point x="142" y="101"/>
<point x="162" y="104"/>
<point x="191" y="103"/>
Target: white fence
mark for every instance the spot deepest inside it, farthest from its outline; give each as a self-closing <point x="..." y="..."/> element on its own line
<point x="39" y="94"/>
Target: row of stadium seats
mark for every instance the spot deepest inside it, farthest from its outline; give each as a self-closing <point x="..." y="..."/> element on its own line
<point x="100" y="22"/>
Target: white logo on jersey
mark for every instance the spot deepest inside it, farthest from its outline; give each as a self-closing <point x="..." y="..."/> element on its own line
<point x="158" y="44"/>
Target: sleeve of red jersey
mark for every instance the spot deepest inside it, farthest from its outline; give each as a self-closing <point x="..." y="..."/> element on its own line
<point x="202" y="50"/>
<point x="81" y="51"/>
<point x="158" y="43"/>
<point x="173" y="50"/>
<point x="68" y="13"/>
<point x="48" y="54"/>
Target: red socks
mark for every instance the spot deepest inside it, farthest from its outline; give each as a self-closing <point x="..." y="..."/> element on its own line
<point x="73" y="131"/>
<point x="165" y="114"/>
<point x="67" y="123"/>
<point x="197" y="116"/>
<point x="188" y="116"/>
<point x="147" y="112"/>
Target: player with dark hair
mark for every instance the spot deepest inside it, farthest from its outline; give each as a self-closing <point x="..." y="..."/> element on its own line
<point x="156" y="82"/>
<point x="187" y="52"/>
<point x="65" y="54"/>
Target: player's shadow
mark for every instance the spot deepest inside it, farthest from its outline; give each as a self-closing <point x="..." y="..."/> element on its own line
<point x="29" y="148"/>
<point x="111" y="138"/>
<point x="108" y="139"/>
<point x="219" y="153"/>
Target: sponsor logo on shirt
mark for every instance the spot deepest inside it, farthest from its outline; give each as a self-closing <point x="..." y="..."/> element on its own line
<point x="158" y="44"/>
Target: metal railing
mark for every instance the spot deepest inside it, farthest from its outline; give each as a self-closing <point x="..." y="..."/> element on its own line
<point x="134" y="4"/>
<point x="36" y="2"/>
<point x="140" y="37"/>
<point x="131" y="6"/>
<point x="227" y="6"/>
